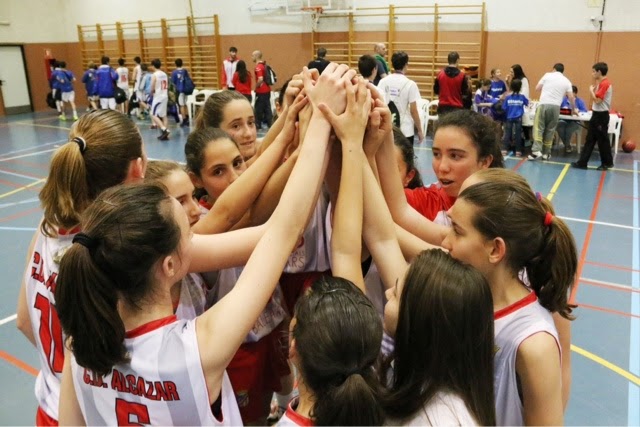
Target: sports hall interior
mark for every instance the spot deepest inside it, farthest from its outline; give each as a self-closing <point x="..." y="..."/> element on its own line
<point x="602" y="208"/>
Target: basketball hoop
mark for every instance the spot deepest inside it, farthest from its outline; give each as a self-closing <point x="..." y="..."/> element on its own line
<point x="314" y="12"/>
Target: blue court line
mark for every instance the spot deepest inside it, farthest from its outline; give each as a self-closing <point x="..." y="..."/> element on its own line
<point x="634" y="339"/>
<point x="18" y="228"/>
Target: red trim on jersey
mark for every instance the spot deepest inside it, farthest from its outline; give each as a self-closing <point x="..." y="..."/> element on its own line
<point x="44" y="419"/>
<point x="205" y="204"/>
<point x="151" y="326"/>
<point x="529" y="299"/>
<point x="298" y="419"/>
<point x="603" y="87"/>
<point x="65" y="232"/>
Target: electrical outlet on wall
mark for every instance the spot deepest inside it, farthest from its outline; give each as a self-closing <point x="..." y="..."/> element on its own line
<point x="594" y="3"/>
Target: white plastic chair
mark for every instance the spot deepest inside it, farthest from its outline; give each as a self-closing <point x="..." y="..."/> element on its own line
<point x="431" y="106"/>
<point x="615" y="123"/>
<point x="191" y="99"/>
<point x="423" y="112"/>
<point x="205" y="93"/>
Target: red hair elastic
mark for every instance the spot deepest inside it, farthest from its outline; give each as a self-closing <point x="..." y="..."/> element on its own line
<point x="548" y="217"/>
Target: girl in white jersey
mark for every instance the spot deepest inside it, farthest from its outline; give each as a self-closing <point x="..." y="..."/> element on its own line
<point x="190" y="295"/>
<point x="104" y="149"/>
<point x="527" y="236"/>
<point x="427" y="387"/>
<point x="117" y="277"/>
<point x="336" y="332"/>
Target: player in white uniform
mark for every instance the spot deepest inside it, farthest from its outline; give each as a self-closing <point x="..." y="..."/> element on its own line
<point x="123" y="83"/>
<point x="113" y="142"/>
<point x="160" y="94"/>
<point x="501" y="228"/>
<point x="141" y="237"/>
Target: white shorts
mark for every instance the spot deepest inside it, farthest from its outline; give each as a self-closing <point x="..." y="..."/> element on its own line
<point x="68" y="96"/>
<point x="159" y="106"/>
<point x="182" y="99"/>
<point x="108" y="103"/>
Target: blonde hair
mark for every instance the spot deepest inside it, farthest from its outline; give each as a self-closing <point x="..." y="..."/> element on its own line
<point x="101" y="146"/>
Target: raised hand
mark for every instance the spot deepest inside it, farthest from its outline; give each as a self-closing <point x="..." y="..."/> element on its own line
<point x="330" y="87"/>
<point x="350" y="125"/>
<point x="379" y="126"/>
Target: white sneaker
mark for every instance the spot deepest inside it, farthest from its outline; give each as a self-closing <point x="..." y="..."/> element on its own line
<point x="546" y="156"/>
<point x="535" y="155"/>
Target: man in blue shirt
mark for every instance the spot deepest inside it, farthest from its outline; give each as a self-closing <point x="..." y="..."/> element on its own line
<point x="177" y="78"/>
<point x="106" y="79"/>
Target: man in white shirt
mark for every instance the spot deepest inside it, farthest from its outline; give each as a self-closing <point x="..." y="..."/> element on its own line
<point x="160" y="95"/>
<point x="229" y="68"/>
<point x="404" y="94"/>
<point x="554" y="86"/>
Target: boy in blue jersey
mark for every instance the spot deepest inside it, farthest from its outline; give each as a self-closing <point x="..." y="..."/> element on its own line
<point x="106" y="79"/>
<point x="513" y="106"/>
<point x="65" y="80"/>
<point x="566" y="128"/>
<point x="177" y="78"/>
<point x="89" y="80"/>
<point x="55" y="87"/>
<point x="483" y="100"/>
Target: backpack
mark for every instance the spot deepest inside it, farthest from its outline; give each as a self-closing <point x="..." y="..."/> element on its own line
<point x="50" y="101"/>
<point x="187" y="85"/>
<point x="172" y="93"/>
<point x="270" y="77"/>
<point x="395" y="114"/>
<point x="120" y="95"/>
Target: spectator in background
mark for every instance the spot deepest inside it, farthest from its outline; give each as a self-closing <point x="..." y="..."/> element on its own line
<point x="65" y="80"/>
<point x="368" y="67"/>
<point x="177" y="78"/>
<point x="228" y="68"/>
<point x="263" y="93"/>
<point x="498" y="86"/>
<point x="89" y="80"/>
<point x="566" y="128"/>
<point x="319" y="63"/>
<point x="383" y="68"/>
<point x="242" y="80"/>
<point x="106" y="79"/>
<point x="483" y="100"/>
<point x="123" y="83"/>
<point x="450" y="84"/>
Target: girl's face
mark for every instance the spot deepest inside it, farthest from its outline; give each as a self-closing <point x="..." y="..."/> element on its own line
<point x="392" y="308"/>
<point x="455" y="158"/>
<point x="497" y="74"/>
<point x="239" y="122"/>
<point x="181" y="188"/>
<point x="463" y="241"/>
<point x="222" y="165"/>
<point x="405" y="174"/>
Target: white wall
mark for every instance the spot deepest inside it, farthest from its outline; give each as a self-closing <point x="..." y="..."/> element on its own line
<point x="56" y="20"/>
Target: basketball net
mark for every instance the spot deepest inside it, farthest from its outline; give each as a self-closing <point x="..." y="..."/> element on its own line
<point x="314" y="13"/>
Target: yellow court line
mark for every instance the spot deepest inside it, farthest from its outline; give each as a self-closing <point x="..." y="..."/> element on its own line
<point x="41" y="126"/>
<point x="17" y="190"/>
<point x="615" y="368"/>
<point x="556" y="184"/>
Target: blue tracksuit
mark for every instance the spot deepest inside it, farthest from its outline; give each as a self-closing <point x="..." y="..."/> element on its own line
<point x="106" y="78"/>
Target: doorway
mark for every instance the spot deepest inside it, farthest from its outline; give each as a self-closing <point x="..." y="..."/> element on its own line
<point x="13" y="81"/>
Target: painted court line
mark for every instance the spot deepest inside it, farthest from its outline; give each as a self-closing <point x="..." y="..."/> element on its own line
<point x="22" y="150"/>
<point x="9" y="319"/>
<point x="19" y="175"/>
<point x="587" y="239"/>
<point x="633" y="379"/>
<point x="608" y="224"/>
<point x="37" y="153"/>
<point x="609" y="285"/>
<point x="22" y="202"/>
<point x="19" y="363"/>
<point x="556" y="184"/>
<point x="18" y="228"/>
<point x="17" y="190"/>
<point x="634" y="330"/>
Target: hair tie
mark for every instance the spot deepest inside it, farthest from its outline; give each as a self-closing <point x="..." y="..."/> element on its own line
<point x="548" y="217"/>
<point x="81" y="143"/>
<point x="538" y="196"/>
<point x="86" y="241"/>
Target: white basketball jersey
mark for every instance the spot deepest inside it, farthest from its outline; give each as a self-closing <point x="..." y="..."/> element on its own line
<point x="123" y="77"/>
<point x="162" y="85"/>
<point x="40" y="278"/>
<point x="272" y="315"/>
<point x="193" y="297"/>
<point x="513" y="325"/>
<point x="163" y="384"/>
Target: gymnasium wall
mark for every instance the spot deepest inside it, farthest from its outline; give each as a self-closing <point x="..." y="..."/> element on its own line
<point x="533" y="34"/>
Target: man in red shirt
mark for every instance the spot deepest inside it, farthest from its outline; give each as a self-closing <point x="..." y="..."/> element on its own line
<point x="450" y="84"/>
<point x="263" y="93"/>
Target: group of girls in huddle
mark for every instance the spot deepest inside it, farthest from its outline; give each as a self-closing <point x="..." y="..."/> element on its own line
<point x="137" y="320"/>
